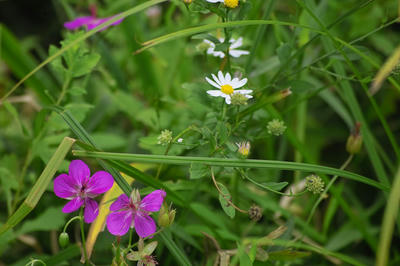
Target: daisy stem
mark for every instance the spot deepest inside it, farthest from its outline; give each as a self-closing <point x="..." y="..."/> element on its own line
<point x="83" y="237"/>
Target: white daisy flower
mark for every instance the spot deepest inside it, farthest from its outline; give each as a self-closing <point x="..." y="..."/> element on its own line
<point x="226" y="86"/>
<point x="232" y="48"/>
<point x="228" y="3"/>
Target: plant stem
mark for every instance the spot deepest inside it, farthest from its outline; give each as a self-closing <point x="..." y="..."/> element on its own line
<point x="83" y="237"/>
<point x="64" y="88"/>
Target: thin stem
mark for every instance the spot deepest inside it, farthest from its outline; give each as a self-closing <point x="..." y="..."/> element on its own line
<point x="174" y="140"/>
<point x="323" y="195"/>
<point x="64" y="88"/>
<point x="223" y="195"/>
<point x="70" y="221"/>
<point x="83" y="237"/>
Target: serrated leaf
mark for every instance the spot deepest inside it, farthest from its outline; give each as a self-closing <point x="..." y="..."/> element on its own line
<point x="198" y="170"/>
<point x="84" y="64"/>
<point x="223" y="199"/>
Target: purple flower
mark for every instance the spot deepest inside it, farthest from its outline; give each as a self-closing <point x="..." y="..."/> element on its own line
<point x="90" y="21"/>
<point x="80" y="188"/>
<point x="134" y="212"/>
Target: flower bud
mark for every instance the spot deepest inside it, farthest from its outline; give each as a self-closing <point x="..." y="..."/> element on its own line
<point x="165" y="137"/>
<point x="276" y="127"/>
<point x="314" y="184"/>
<point x="166" y="216"/>
<point x="63" y="239"/>
<point x="187" y="1"/>
<point x="255" y="213"/>
<point x="243" y="149"/>
<point x="239" y="99"/>
<point x="354" y="141"/>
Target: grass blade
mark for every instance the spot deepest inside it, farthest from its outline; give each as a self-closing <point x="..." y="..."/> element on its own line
<point x="40" y="186"/>
<point x="186" y="160"/>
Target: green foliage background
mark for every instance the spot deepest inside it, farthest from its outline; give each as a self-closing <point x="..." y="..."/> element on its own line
<point x="326" y="52"/>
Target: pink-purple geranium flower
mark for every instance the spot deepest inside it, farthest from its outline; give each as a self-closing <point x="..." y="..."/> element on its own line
<point x="128" y="212"/>
<point x="90" y="22"/>
<point x="80" y="188"/>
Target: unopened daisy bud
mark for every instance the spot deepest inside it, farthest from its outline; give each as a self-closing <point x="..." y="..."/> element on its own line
<point x="187" y="1"/>
<point x="231" y="3"/>
<point x="279" y="95"/>
<point x="244" y="148"/>
<point x="239" y="99"/>
<point x="63" y="239"/>
<point x="314" y="184"/>
<point x="354" y="141"/>
<point x="165" y="137"/>
<point x="255" y="213"/>
<point x="276" y="127"/>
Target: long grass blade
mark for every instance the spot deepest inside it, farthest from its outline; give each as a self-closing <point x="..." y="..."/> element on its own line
<point x="40" y="186"/>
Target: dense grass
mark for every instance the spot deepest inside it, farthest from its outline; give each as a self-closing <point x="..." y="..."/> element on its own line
<point x="105" y="95"/>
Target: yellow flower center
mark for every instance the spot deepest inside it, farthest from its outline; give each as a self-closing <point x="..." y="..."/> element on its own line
<point x="231" y="3"/>
<point x="227" y="89"/>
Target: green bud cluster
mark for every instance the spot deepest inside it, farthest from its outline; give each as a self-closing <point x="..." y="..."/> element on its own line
<point x="314" y="184"/>
<point x="276" y="127"/>
<point x="165" y="137"/>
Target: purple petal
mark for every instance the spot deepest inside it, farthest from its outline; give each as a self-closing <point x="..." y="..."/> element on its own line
<point x="99" y="21"/>
<point x="153" y="201"/>
<point x="73" y="205"/>
<point x="78" y="22"/>
<point x="121" y="203"/>
<point x="144" y="225"/>
<point x="64" y="186"/>
<point x="118" y="223"/>
<point x="99" y="183"/>
<point x="91" y="210"/>
<point x="79" y="171"/>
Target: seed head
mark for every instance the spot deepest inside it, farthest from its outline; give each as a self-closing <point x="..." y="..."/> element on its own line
<point x="276" y="127"/>
<point x="165" y="137"/>
<point x="314" y="184"/>
<point x="255" y="213"/>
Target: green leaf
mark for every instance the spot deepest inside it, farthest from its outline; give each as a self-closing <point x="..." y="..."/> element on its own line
<point x="109" y="141"/>
<point x="198" y="170"/>
<point x="223" y="200"/>
<point x="284" y="51"/>
<point x="288" y="255"/>
<point x="76" y="91"/>
<point x="84" y="65"/>
<point x="275" y="186"/>
<point x="51" y="219"/>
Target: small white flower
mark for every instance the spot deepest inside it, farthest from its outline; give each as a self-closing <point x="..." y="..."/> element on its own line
<point x="226" y="86"/>
<point x="180" y="140"/>
<point x="232" y="48"/>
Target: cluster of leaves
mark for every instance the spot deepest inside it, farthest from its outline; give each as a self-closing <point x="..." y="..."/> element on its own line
<point x="327" y="53"/>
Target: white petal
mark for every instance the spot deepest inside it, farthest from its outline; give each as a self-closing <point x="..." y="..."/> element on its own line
<point x="221" y="77"/>
<point x="228" y="78"/>
<point x="228" y="99"/>
<point x="213" y="83"/>
<point x="244" y="91"/>
<point x="215" y="1"/>
<point x="211" y="50"/>
<point x="209" y="42"/>
<point x="249" y="96"/>
<point x="215" y="93"/>
<point x="219" y="54"/>
<point x="216" y="80"/>
<point x="237" y="43"/>
<point x="235" y="80"/>
<point x="237" y="53"/>
<point x="240" y="83"/>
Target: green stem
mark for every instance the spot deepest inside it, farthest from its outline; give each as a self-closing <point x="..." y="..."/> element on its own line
<point x="64" y="88"/>
<point x="83" y="237"/>
<point x="70" y="221"/>
<point x="174" y="140"/>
